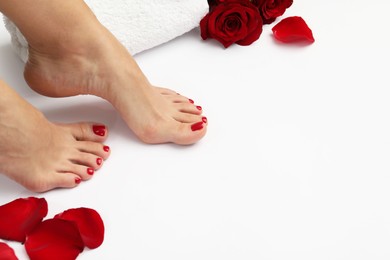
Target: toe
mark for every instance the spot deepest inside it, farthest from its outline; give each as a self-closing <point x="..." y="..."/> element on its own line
<point x="189" y="118"/>
<point x="56" y="180"/>
<point x="179" y="99"/>
<point x="88" y="132"/>
<point x="190" y="133"/>
<point x="97" y="149"/>
<point x="82" y="171"/>
<point x="189" y="108"/>
<point x="166" y="91"/>
<point x="65" y="180"/>
<point x="87" y="159"/>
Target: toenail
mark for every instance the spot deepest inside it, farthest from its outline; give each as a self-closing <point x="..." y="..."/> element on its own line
<point x="204" y="119"/>
<point x="99" y="130"/>
<point x="77" y="180"/>
<point x="90" y="171"/>
<point x="199" y="107"/>
<point x="99" y="161"/>
<point x="106" y="148"/>
<point x="197" y="126"/>
<point x="191" y="101"/>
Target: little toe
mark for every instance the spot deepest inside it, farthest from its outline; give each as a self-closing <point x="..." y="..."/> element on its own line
<point x="65" y="180"/>
<point x="56" y="180"/>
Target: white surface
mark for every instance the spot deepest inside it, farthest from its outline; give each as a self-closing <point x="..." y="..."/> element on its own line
<point x="295" y="164"/>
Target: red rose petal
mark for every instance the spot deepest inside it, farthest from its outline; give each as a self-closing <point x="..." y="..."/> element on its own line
<point x="292" y="29"/>
<point x="54" y="239"/>
<point x="20" y="216"/>
<point x="90" y="224"/>
<point x="6" y="252"/>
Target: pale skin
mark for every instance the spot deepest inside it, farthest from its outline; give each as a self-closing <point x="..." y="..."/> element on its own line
<point x="71" y="53"/>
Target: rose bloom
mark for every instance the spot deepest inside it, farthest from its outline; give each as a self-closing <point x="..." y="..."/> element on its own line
<point x="232" y="21"/>
<point x="271" y="9"/>
<point x="213" y="3"/>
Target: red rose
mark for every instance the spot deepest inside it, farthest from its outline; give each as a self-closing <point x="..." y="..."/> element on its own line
<point x="271" y="9"/>
<point x="213" y="3"/>
<point x="232" y="21"/>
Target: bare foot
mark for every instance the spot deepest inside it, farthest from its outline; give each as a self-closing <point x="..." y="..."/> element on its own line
<point x="41" y="155"/>
<point x="90" y="60"/>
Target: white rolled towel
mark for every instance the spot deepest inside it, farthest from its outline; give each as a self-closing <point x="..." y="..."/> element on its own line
<point x="138" y="24"/>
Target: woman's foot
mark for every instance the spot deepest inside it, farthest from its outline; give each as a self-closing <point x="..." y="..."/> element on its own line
<point x="90" y="60"/>
<point x="41" y="155"/>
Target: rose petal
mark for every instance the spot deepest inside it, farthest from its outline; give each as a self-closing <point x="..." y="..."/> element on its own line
<point x="20" y="216"/>
<point x="54" y="239"/>
<point x="292" y="29"/>
<point x="6" y="252"/>
<point x="90" y="224"/>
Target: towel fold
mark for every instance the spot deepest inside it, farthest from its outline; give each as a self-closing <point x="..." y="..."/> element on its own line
<point x="138" y="24"/>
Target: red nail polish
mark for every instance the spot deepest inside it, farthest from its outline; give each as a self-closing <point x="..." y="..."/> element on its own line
<point x="204" y="119"/>
<point x="90" y="171"/>
<point x="197" y="126"/>
<point x="199" y="107"/>
<point x="99" y="130"/>
<point x="99" y="161"/>
<point x="191" y="101"/>
<point x="106" y="148"/>
<point x="77" y="180"/>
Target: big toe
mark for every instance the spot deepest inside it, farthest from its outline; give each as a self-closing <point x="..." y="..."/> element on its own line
<point x="190" y="133"/>
<point x="94" y="132"/>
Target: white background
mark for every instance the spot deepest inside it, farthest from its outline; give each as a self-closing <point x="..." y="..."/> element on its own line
<point x="295" y="164"/>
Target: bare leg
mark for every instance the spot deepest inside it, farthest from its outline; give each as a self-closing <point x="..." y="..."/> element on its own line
<point x="71" y="53"/>
<point x="41" y="155"/>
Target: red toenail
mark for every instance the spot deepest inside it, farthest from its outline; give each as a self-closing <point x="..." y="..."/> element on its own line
<point x="99" y="130"/>
<point x="191" y="101"/>
<point x="197" y="126"/>
<point x="199" y="107"/>
<point x="99" y="161"/>
<point x="106" y="148"/>
<point x="77" y="180"/>
<point x="204" y="119"/>
<point x="90" y="171"/>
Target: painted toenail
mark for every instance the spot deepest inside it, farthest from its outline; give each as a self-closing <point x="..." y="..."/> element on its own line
<point x="204" y="119"/>
<point x="90" y="171"/>
<point x="77" y="180"/>
<point x="191" y="101"/>
<point x="197" y="126"/>
<point x="199" y="107"/>
<point x="106" y="148"/>
<point x="99" y="161"/>
<point x="99" y="130"/>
